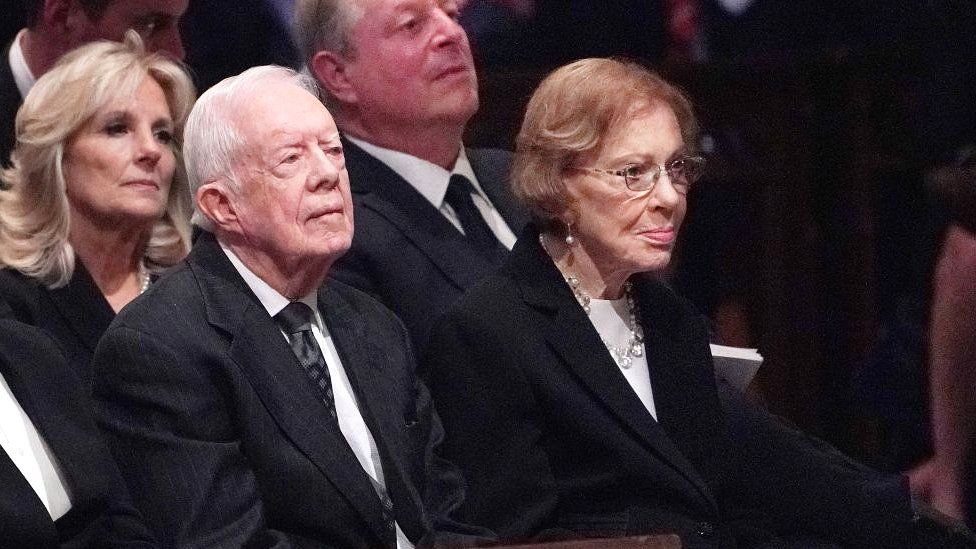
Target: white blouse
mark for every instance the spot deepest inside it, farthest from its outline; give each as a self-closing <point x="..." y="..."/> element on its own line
<point x="610" y="318"/>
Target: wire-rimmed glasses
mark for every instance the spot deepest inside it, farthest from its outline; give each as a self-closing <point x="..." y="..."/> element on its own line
<point x="683" y="171"/>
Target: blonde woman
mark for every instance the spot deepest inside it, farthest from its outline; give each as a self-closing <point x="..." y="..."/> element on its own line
<point x="95" y="202"/>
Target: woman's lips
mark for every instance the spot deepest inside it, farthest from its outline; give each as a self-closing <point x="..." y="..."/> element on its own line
<point x="143" y="183"/>
<point x="661" y="236"/>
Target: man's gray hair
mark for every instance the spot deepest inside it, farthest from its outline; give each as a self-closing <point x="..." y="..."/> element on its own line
<point x="324" y="25"/>
<point x="212" y="141"/>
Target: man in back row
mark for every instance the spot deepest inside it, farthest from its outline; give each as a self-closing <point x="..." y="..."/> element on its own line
<point x="58" y="26"/>
<point x="432" y="217"/>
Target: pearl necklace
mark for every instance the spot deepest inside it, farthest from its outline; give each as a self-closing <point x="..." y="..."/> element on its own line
<point x="623" y="355"/>
<point x="144" y="278"/>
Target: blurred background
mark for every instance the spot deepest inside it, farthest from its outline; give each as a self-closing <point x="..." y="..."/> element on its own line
<point x="813" y="235"/>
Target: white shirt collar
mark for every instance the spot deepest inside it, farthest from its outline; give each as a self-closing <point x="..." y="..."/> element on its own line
<point x="272" y="301"/>
<point x="428" y="178"/>
<point x="23" y="76"/>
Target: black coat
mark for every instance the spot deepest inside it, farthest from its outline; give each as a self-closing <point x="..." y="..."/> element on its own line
<point x="224" y="442"/>
<point x="101" y="514"/>
<point x="404" y="252"/>
<point x="553" y="440"/>
<point x="75" y="315"/>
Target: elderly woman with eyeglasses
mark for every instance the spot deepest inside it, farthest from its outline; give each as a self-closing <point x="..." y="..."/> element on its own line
<point x="577" y="391"/>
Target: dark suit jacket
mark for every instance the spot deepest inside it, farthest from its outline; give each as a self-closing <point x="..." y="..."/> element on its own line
<point x="101" y="514"/>
<point x="75" y="315"/>
<point x="404" y="252"/>
<point x="224" y="442"/>
<point x="551" y="437"/>
<point x="10" y="101"/>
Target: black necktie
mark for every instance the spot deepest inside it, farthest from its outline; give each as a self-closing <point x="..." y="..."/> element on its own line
<point x="296" y="321"/>
<point x="476" y="230"/>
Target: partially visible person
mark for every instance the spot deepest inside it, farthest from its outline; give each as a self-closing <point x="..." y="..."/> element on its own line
<point x="249" y="400"/>
<point x="946" y="480"/>
<point x="96" y="201"/>
<point x="577" y="391"/>
<point x="61" y="488"/>
<point x="55" y="27"/>
<point x="432" y="217"/>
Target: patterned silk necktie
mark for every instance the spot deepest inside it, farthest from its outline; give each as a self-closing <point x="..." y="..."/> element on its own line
<point x="296" y="321"/>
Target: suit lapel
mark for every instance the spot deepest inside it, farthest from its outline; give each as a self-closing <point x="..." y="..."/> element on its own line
<point x="263" y="355"/>
<point x="364" y="362"/>
<point x="380" y="189"/>
<point x="24" y="516"/>
<point x="22" y="510"/>
<point x="570" y="334"/>
<point x="682" y="376"/>
<point x="83" y="307"/>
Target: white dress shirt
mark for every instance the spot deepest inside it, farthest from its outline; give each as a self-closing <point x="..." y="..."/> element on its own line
<point x="610" y="318"/>
<point x="23" y="76"/>
<point x="31" y="454"/>
<point x="431" y="181"/>
<point x="351" y="422"/>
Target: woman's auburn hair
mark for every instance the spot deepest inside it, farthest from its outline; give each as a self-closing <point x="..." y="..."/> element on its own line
<point x="570" y="114"/>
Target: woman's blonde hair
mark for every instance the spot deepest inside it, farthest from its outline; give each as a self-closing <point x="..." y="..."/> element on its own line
<point x="34" y="211"/>
<point x="571" y="112"/>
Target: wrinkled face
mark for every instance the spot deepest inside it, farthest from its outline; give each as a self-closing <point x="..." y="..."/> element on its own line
<point x="119" y="165"/>
<point x="625" y="231"/>
<point x="294" y="204"/>
<point x="411" y="62"/>
<point x="155" y="20"/>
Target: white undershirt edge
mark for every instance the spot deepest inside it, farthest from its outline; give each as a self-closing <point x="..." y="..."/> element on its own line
<point x="23" y="76"/>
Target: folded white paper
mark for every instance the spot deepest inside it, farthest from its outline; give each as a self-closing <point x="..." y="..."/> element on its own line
<point x="736" y="365"/>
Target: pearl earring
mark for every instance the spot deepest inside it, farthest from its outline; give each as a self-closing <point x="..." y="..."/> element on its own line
<point x="570" y="239"/>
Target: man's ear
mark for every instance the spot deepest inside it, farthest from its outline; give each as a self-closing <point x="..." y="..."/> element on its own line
<point x="331" y="70"/>
<point x="67" y="18"/>
<point x="216" y="203"/>
<point x="54" y="13"/>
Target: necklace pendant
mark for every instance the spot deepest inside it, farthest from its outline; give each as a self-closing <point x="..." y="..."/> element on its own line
<point x="637" y="349"/>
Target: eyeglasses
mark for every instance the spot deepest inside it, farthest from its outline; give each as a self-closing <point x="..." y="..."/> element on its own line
<point x="683" y="171"/>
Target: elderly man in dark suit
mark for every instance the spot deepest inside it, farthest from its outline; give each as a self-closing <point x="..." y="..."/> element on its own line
<point x="248" y="400"/>
<point x="60" y="485"/>
<point x="432" y="217"/>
